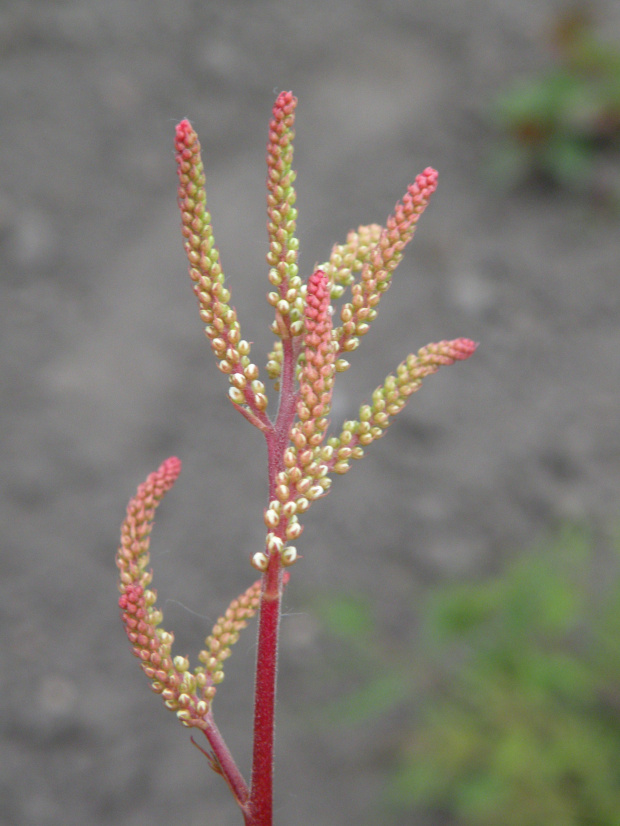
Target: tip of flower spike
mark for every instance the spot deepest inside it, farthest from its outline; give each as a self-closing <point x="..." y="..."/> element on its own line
<point x="463" y="348"/>
<point x="184" y="134"/>
<point x="286" y="101"/>
<point x="171" y="467"/>
<point x="431" y="176"/>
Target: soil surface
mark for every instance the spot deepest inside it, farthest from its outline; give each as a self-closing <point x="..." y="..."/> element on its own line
<point x="105" y="370"/>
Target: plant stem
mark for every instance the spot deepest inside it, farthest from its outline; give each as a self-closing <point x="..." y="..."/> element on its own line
<point x="261" y="787"/>
<point x="226" y="765"/>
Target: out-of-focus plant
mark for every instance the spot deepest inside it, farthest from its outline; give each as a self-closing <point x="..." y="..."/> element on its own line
<point x="564" y="124"/>
<point x="519" y="723"/>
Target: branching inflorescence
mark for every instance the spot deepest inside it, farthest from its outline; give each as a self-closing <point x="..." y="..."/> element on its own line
<point x="309" y="351"/>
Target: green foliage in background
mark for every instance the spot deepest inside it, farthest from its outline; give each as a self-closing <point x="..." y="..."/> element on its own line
<point x="520" y="724"/>
<point x="559" y="124"/>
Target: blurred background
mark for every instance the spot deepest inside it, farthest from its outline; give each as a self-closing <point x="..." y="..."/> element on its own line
<point x="421" y="672"/>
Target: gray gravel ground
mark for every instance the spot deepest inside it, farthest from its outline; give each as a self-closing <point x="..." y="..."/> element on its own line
<point x="105" y="370"/>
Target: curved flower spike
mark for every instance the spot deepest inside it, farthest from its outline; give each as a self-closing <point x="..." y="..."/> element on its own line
<point x="188" y="693"/>
<point x="390" y="399"/>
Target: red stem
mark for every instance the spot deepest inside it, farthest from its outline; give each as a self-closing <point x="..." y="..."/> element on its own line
<point x="227" y="765"/>
<point x="260" y="804"/>
<point x="261" y="788"/>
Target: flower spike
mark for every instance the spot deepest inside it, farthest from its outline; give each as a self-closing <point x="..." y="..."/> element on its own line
<point x="247" y="393"/>
<point x="282" y="215"/>
<point x="390" y="399"/>
<point x="377" y="261"/>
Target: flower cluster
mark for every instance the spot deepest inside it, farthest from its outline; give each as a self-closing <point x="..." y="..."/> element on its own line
<point x="310" y="350"/>
<point x="308" y="353"/>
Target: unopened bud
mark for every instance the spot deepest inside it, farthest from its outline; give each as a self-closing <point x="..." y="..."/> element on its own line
<point x="289" y="555"/>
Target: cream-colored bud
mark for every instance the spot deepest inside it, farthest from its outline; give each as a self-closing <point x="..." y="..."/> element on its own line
<point x="341" y="467"/>
<point x="272" y="519"/>
<point x="181" y="664"/>
<point x="244" y="347"/>
<point x="289" y="555"/>
<point x="293" y="530"/>
<point x="274" y="543"/>
<point x="297" y="327"/>
<point x="238" y="380"/>
<point x="315" y="491"/>
<point x="283" y="307"/>
<point x="341" y="365"/>
<point x="260" y="561"/>
<point x="236" y="395"/>
<point x="274" y="277"/>
<point x="289" y="509"/>
<point x="149" y="598"/>
<point x="283" y="492"/>
<point x="202" y="707"/>
<point x="304" y="485"/>
<point x="273" y="298"/>
<point x="302" y="504"/>
<point x="251" y="372"/>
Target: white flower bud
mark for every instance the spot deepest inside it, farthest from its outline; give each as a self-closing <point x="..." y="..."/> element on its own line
<point x="260" y="561"/>
<point x="289" y="555"/>
<point x="272" y="519"/>
<point x="274" y="543"/>
<point x="181" y="664"/>
<point x="236" y="395"/>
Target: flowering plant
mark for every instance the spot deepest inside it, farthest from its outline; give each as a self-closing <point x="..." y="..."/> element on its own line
<point x="309" y="350"/>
